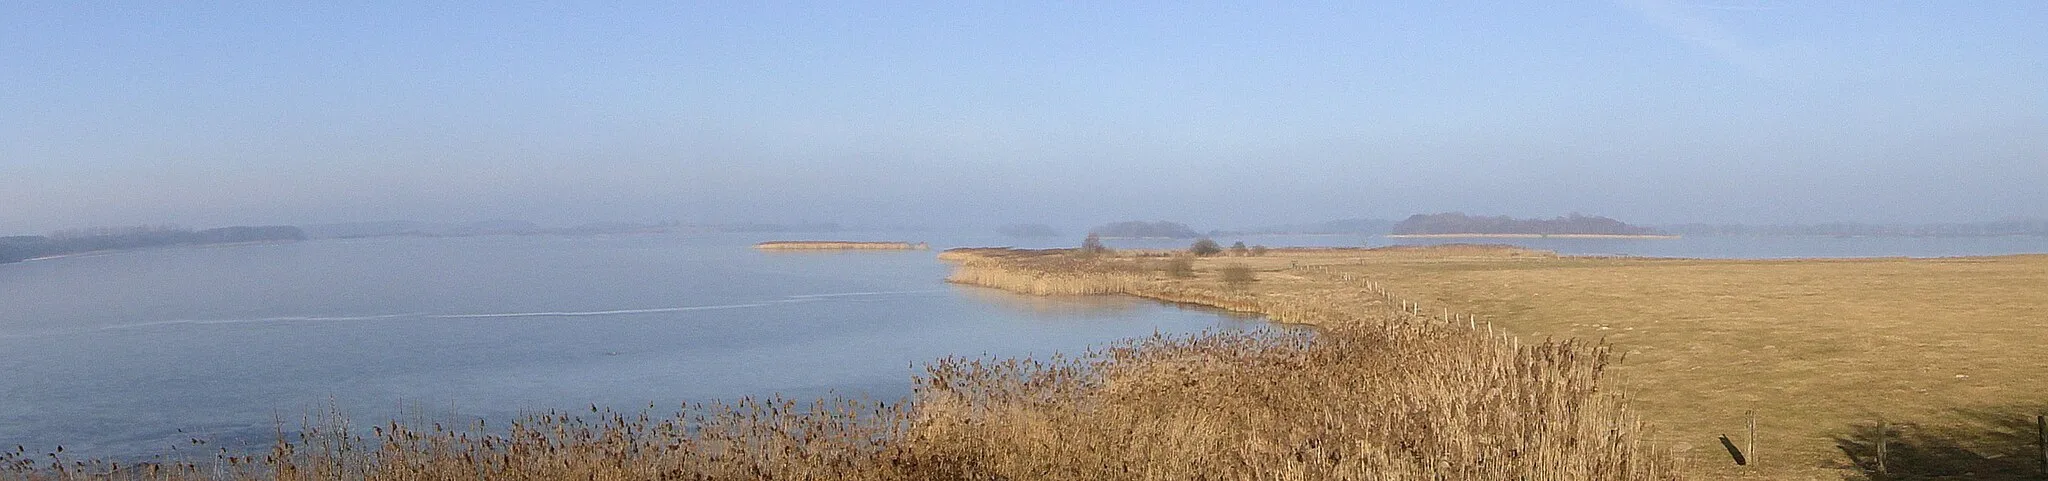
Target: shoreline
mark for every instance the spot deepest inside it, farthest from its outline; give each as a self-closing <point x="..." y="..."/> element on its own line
<point x="1531" y="236"/>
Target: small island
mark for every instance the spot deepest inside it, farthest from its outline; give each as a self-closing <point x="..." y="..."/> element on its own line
<point x="841" y="245"/>
<point x="1459" y="225"/>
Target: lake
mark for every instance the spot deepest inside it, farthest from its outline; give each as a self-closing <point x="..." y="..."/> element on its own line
<point x="131" y="354"/>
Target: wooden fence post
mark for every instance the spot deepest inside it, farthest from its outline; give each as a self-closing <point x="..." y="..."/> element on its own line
<point x="1883" y="431"/>
<point x="2041" y="429"/>
<point x="1752" y="437"/>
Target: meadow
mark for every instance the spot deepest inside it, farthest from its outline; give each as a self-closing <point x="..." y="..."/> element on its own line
<point x="1942" y="356"/>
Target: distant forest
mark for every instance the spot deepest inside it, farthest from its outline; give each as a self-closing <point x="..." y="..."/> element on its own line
<point x="19" y="248"/>
<point x="1459" y="223"/>
<point x="1140" y="229"/>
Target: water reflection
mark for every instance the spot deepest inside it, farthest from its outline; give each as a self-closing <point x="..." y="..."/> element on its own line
<point x="1057" y="307"/>
<point x="1096" y="308"/>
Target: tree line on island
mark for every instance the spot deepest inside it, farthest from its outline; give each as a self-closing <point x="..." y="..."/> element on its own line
<point x="20" y="248"/>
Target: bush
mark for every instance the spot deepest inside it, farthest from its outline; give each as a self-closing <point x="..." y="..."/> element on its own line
<point x="1093" y="245"/>
<point x="1180" y="267"/>
<point x="1238" y="276"/>
<point x="1238" y="249"/>
<point x="1205" y="247"/>
<point x="1258" y="250"/>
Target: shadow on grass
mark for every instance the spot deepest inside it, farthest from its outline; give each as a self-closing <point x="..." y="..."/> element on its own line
<point x="1989" y="444"/>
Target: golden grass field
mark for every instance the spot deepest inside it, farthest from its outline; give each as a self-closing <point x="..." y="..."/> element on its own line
<point x="1821" y="350"/>
<point x="1950" y="354"/>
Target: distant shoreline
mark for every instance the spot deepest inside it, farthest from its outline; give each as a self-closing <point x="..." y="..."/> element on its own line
<point x="1532" y="236"/>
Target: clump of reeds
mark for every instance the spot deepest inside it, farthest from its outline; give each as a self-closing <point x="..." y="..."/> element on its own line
<point x="1401" y="402"/>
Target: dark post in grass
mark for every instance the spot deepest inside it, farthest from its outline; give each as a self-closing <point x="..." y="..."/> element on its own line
<point x="2041" y="429"/>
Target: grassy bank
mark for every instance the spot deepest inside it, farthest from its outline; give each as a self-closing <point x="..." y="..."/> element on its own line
<point x="1945" y="354"/>
<point x="1453" y="376"/>
<point x="840" y="245"/>
<point x="1948" y="352"/>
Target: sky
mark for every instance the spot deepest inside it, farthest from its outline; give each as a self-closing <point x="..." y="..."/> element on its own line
<point x="966" y="114"/>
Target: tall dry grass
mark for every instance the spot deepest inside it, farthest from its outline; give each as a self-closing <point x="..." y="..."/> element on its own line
<point x="1375" y="397"/>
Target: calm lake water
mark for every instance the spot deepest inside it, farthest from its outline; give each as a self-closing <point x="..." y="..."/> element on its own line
<point x="131" y="354"/>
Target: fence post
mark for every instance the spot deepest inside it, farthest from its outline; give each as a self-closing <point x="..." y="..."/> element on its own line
<point x="1752" y="436"/>
<point x="1883" y="431"/>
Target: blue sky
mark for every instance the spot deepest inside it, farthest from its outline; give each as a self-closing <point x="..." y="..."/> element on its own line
<point x="970" y="114"/>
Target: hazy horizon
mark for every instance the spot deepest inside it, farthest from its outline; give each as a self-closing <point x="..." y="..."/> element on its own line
<point x="974" y="116"/>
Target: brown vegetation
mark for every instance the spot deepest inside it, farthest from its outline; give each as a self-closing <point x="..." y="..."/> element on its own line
<point x="1818" y="349"/>
<point x="1385" y="336"/>
<point x="1948" y="351"/>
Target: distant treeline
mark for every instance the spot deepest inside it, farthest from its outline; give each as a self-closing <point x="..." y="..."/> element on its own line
<point x="19" y="248"/>
<point x="1459" y="223"/>
<point x="1970" y="229"/>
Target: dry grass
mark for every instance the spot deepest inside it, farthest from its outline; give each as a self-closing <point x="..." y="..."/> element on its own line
<point x="1389" y="338"/>
<point x="1950" y="349"/>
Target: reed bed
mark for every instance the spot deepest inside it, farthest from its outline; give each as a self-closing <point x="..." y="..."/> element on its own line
<point x="1371" y="395"/>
